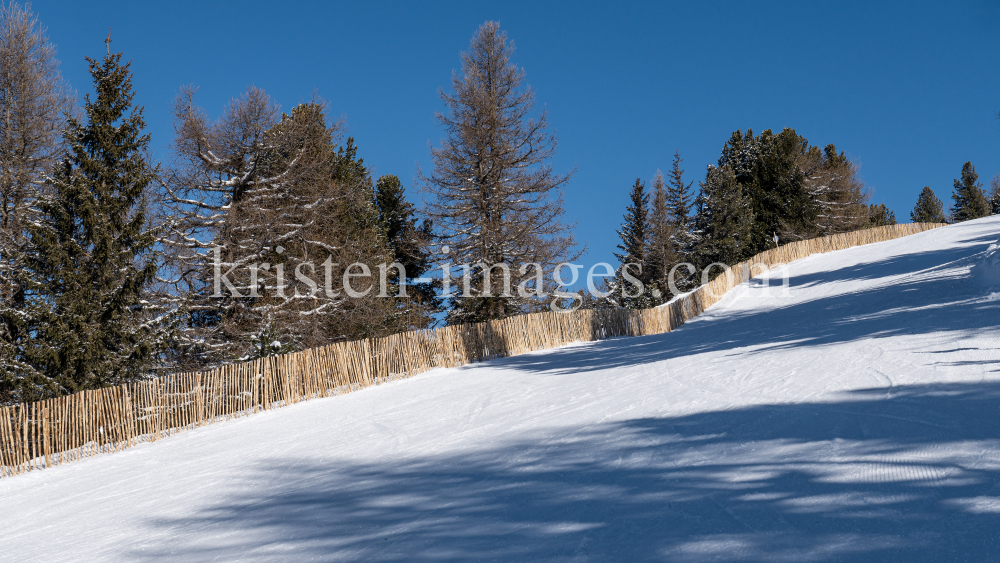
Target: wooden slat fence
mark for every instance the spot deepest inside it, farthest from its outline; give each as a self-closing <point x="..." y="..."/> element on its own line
<point x="65" y="429"/>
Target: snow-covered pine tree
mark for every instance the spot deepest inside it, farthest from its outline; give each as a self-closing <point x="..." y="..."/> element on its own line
<point x="724" y="219"/>
<point x="33" y="102"/>
<point x="634" y="236"/>
<point x="767" y="168"/>
<point x="838" y="194"/>
<point x="91" y="258"/>
<point x="679" y="215"/>
<point x="678" y="197"/>
<point x="408" y="244"/>
<point x="970" y="201"/>
<point x="928" y="208"/>
<point x="261" y="187"/>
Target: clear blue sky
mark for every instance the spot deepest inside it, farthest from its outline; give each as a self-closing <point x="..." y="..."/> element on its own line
<point x="908" y="89"/>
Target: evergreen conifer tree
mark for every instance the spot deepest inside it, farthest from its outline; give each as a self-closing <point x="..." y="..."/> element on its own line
<point x="255" y="190"/>
<point x="928" y="209"/>
<point x="671" y="241"/>
<point x="678" y="198"/>
<point x="767" y="168"/>
<point x="679" y="217"/>
<point x="724" y="218"/>
<point x="408" y="245"/>
<point x="634" y="238"/>
<point x="660" y="252"/>
<point x="970" y="201"/>
<point x="91" y="259"/>
<point x="880" y="215"/>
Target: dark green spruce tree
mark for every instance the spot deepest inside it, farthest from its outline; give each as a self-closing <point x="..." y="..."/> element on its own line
<point x="408" y="244"/>
<point x="678" y="197"/>
<point x="970" y="201"/>
<point x="360" y="215"/>
<point x="880" y="215"/>
<point x="724" y="220"/>
<point x="928" y="209"/>
<point x="633" y="257"/>
<point x="660" y="252"/>
<point x="92" y="258"/>
<point x="679" y="216"/>
<point x="767" y="166"/>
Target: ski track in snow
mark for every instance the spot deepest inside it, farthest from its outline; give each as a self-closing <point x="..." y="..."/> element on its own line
<point x="854" y="417"/>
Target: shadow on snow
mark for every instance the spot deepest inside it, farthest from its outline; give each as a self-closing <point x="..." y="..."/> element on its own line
<point x="879" y="476"/>
<point x="909" y="473"/>
<point x="909" y="305"/>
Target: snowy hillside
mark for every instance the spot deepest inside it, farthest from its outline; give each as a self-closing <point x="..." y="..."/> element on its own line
<point x="854" y="418"/>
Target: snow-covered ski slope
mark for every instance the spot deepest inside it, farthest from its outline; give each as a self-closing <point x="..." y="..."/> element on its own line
<point x="855" y="417"/>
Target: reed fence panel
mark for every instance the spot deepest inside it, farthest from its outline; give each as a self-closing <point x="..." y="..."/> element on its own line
<point x="65" y="429"/>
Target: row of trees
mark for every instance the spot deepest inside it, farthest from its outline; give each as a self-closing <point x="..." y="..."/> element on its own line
<point x="114" y="268"/>
<point x="110" y="263"/>
<point x="765" y="188"/>
<point x="970" y="200"/>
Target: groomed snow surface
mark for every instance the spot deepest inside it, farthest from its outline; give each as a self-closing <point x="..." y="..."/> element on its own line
<point x="854" y="417"/>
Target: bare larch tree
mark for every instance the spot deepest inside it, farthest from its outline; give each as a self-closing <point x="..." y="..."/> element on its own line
<point x="34" y="101"/>
<point x="835" y="186"/>
<point x="493" y="198"/>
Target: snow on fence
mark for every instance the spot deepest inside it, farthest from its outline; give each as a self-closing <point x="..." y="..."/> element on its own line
<point x="65" y="429"/>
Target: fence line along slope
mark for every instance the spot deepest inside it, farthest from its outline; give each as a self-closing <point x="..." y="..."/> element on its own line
<point x="64" y="429"/>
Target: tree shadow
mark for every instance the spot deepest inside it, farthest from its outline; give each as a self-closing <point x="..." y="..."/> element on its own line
<point x="925" y="302"/>
<point x="904" y="262"/>
<point x="906" y="474"/>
